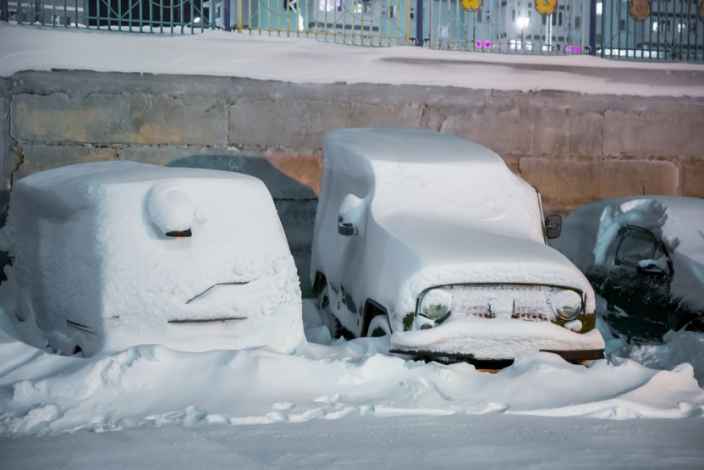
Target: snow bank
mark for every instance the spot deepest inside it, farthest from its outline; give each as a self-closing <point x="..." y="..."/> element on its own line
<point x="114" y="254"/>
<point x="310" y="61"/>
<point x="153" y="385"/>
<point x="679" y="347"/>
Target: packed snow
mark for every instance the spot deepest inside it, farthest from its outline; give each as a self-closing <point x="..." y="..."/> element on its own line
<point x="307" y="60"/>
<point x="153" y="385"/>
<point x="102" y="260"/>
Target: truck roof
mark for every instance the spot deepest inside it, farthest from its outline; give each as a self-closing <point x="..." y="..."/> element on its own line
<point x="409" y="146"/>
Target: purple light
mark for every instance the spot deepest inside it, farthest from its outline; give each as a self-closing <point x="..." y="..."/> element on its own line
<point x="488" y="44"/>
<point x="483" y="44"/>
<point x="573" y="49"/>
<point x="479" y="44"/>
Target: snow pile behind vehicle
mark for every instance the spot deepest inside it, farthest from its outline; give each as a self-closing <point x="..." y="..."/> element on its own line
<point x="110" y="255"/>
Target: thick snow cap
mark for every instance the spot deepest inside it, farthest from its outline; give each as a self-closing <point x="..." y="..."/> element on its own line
<point x="114" y="254"/>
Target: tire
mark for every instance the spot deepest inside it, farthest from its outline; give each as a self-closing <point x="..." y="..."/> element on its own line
<point x="379" y="326"/>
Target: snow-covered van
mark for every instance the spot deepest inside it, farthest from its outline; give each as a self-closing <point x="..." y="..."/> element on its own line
<point x="114" y="254"/>
<point x="432" y="239"/>
<point x="645" y="256"/>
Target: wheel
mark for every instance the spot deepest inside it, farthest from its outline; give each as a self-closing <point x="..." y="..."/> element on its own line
<point x="379" y="326"/>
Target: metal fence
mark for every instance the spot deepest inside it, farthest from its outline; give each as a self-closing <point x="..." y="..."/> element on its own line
<point x="671" y="30"/>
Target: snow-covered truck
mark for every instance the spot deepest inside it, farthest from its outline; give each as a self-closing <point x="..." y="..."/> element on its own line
<point x="645" y="256"/>
<point x="431" y="239"/>
<point x="114" y="254"/>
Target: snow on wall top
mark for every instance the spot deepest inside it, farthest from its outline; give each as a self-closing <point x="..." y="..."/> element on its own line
<point x="302" y="60"/>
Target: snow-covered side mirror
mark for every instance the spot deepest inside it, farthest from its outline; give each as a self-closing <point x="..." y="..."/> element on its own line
<point x="350" y="215"/>
<point x="553" y="226"/>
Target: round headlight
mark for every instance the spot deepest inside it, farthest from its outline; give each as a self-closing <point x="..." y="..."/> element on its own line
<point x="567" y="305"/>
<point x="436" y="305"/>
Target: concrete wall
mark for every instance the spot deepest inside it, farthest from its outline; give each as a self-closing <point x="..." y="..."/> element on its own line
<point x="573" y="147"/>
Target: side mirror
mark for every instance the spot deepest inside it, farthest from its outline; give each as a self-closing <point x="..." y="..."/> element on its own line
<point x="346" y="229"/>
<point x="652" y="267"/>
<point x="553" y="226"/>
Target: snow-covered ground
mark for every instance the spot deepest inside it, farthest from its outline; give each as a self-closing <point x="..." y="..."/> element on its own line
<point x="307" y="60"/>
<point x="426" y="442"/>
<point x="153" y="385"/>
<point x="320" y="408"/>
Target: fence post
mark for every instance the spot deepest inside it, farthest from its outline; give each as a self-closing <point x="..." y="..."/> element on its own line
<point x="4" y="10"/>
<point x="226" y="15"/>
<point x="419" y="22"/>
<point x="592" y="27"/>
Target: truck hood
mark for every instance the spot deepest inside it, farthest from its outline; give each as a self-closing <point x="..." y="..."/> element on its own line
<point x="457" y="253"/>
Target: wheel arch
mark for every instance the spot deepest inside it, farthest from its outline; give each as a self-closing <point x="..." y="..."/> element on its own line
<point x="372" y="308"/>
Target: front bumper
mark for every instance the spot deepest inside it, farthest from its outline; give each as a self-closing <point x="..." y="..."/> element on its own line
<point x="575" y="357"/>
<point x="496" y="341"/>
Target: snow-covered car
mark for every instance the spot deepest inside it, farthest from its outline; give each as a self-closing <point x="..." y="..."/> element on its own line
<point x="114" y="254"/>
<point x="645" y="256"/>
<point x="432" y="239"/>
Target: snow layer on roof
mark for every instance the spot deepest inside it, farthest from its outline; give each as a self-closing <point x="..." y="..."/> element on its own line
<point x="407" y="146"/>
<point x="302" y="60"/>
<point x="96" y="264"/>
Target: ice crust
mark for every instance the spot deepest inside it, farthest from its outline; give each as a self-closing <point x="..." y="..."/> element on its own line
<point x="94" y="266"/>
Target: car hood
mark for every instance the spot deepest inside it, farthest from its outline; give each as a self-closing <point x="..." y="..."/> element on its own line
<point x="434" y="254"/>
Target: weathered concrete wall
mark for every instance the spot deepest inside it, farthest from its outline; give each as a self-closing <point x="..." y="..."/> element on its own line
<point x="573" y="147"/>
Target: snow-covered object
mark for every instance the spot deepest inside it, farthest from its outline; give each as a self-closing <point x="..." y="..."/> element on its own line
<point x="590" y="237"/>
<point x="114" y="254"/>
<point x="404" y="211"/>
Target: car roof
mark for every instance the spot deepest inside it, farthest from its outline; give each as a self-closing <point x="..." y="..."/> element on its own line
<point x="407" y="146"/>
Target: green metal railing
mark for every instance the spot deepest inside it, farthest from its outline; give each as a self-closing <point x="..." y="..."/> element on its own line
<point x="673" y="30"/>
<point x="651" y="30"/>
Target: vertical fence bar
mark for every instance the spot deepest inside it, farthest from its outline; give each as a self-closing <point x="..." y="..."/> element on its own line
<point x="130" y="5"/>
<point x="658" y="20"/>
<point x="689" y="31"/>
<point x="171" y="16"/>
<point x="628" y="20"/>
<point x="249" y="16"/>
<point x="603" y="29"/>
<point x="191" y="13"/>
<point x="180" y="13"/>
<point x="674" y="27"/>
<point x="650" y="34"/>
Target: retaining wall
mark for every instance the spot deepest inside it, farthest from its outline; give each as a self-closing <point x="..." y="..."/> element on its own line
<point x="574" y="147"/>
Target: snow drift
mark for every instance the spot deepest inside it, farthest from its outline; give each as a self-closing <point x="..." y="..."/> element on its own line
<point x="154" y="385"/>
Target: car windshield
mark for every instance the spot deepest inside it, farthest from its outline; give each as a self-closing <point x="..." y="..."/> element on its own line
<point x="484" y="196"/>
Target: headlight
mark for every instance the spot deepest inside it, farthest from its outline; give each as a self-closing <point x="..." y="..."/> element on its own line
<point x="436" y="305"/>
<point x="567" y="305"/>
